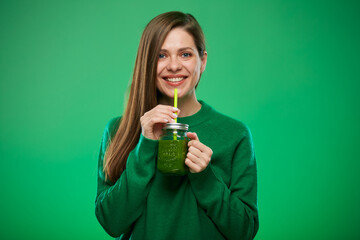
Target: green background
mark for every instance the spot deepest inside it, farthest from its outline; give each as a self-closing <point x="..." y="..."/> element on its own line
<point x="288" y="69"/>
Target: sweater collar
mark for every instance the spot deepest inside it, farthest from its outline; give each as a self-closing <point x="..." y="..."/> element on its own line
<point x="199" y="117"/>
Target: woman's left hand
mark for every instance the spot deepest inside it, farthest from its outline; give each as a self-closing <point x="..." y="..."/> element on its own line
<point x="199" y="155"/>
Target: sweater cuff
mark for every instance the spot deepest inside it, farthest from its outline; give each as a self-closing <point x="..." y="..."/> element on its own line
<point x="147" y="144"/>
<point x="141" y="160"/>
<point x="145" y="151"/>
<point x="206" y="185"/>
<point x="203" y="175"/>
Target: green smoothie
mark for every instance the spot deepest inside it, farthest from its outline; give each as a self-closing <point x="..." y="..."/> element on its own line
<point x="171" y="156"/>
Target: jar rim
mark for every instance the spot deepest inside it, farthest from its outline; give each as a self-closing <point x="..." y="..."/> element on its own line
<point x="178" y="126"/>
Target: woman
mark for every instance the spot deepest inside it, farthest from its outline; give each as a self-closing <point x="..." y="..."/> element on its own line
<point x="218" y="198"/>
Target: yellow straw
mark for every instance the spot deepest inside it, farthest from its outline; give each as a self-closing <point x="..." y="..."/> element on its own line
<point x="175" y="105"/>
<point x="175" y="101"/>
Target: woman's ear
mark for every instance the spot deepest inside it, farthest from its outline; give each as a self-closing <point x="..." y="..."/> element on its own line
<point x="203" y="62"/>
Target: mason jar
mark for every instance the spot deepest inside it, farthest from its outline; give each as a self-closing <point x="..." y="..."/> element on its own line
<point x="173" y="148"/>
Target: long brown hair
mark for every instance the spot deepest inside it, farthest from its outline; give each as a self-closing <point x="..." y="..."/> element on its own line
<point x="143" y="93"/>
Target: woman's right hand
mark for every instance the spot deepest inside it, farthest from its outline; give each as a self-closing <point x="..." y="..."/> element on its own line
<point x="152" y="121"/>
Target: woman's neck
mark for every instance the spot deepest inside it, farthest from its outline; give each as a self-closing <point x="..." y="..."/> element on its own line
<point x="188" y="105"/>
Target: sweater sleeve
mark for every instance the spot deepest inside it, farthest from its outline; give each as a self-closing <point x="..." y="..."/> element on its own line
<point x="119" y="205"/>
<point x="233" y="209"/>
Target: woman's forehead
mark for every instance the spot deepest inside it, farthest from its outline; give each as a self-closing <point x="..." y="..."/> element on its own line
<point x="178" y="38"/>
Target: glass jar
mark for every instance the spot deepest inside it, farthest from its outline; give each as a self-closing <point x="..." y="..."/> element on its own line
<point x="173" y="148"/>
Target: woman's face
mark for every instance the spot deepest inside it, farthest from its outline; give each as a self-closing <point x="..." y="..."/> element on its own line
<point x="179" y="64"/>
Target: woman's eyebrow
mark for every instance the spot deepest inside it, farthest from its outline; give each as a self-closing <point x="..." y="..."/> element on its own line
<point x="180" y="49"/>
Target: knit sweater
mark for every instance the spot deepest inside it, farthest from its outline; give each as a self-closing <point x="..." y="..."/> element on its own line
<point x="218" y="203"/>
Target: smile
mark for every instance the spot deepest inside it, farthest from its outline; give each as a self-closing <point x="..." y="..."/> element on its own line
<point x="179" y="79"/>
<point x="174" y="81"/>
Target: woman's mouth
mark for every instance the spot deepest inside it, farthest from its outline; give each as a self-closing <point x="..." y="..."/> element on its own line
<point x="177" y="79"/>
<point x="174" y="81"/>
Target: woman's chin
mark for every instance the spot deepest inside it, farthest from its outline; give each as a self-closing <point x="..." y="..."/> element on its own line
<point x="169" y="94"/>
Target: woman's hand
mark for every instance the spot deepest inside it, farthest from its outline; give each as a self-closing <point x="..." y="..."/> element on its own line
<point x="153" y="120"/>
<point x="199" y="155"/>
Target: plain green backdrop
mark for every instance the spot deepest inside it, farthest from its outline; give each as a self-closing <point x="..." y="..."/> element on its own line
<point x="288" y="69"/>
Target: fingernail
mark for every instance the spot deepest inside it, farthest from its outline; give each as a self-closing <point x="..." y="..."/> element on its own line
<point x="172" y="120"/>
<point x="174" y="115"/>
<point x="176" y="109"/>
<point x="166" y="120"/>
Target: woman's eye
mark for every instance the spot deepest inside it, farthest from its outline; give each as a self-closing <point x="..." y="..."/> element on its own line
<point x="161" y="55"/>
<point x="186" y="54"/>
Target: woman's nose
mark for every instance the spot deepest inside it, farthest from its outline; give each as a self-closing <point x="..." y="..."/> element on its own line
<point x="173" y="65"/>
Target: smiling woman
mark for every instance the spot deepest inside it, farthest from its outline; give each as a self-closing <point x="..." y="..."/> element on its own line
<point x="179" y="65"/>
<point x="217" y="199"/>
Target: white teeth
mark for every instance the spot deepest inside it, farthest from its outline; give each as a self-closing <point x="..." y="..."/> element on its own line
<point x="174" y="79"/>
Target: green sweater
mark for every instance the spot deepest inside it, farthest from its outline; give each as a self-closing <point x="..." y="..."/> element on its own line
<point x="217" y="203"/>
